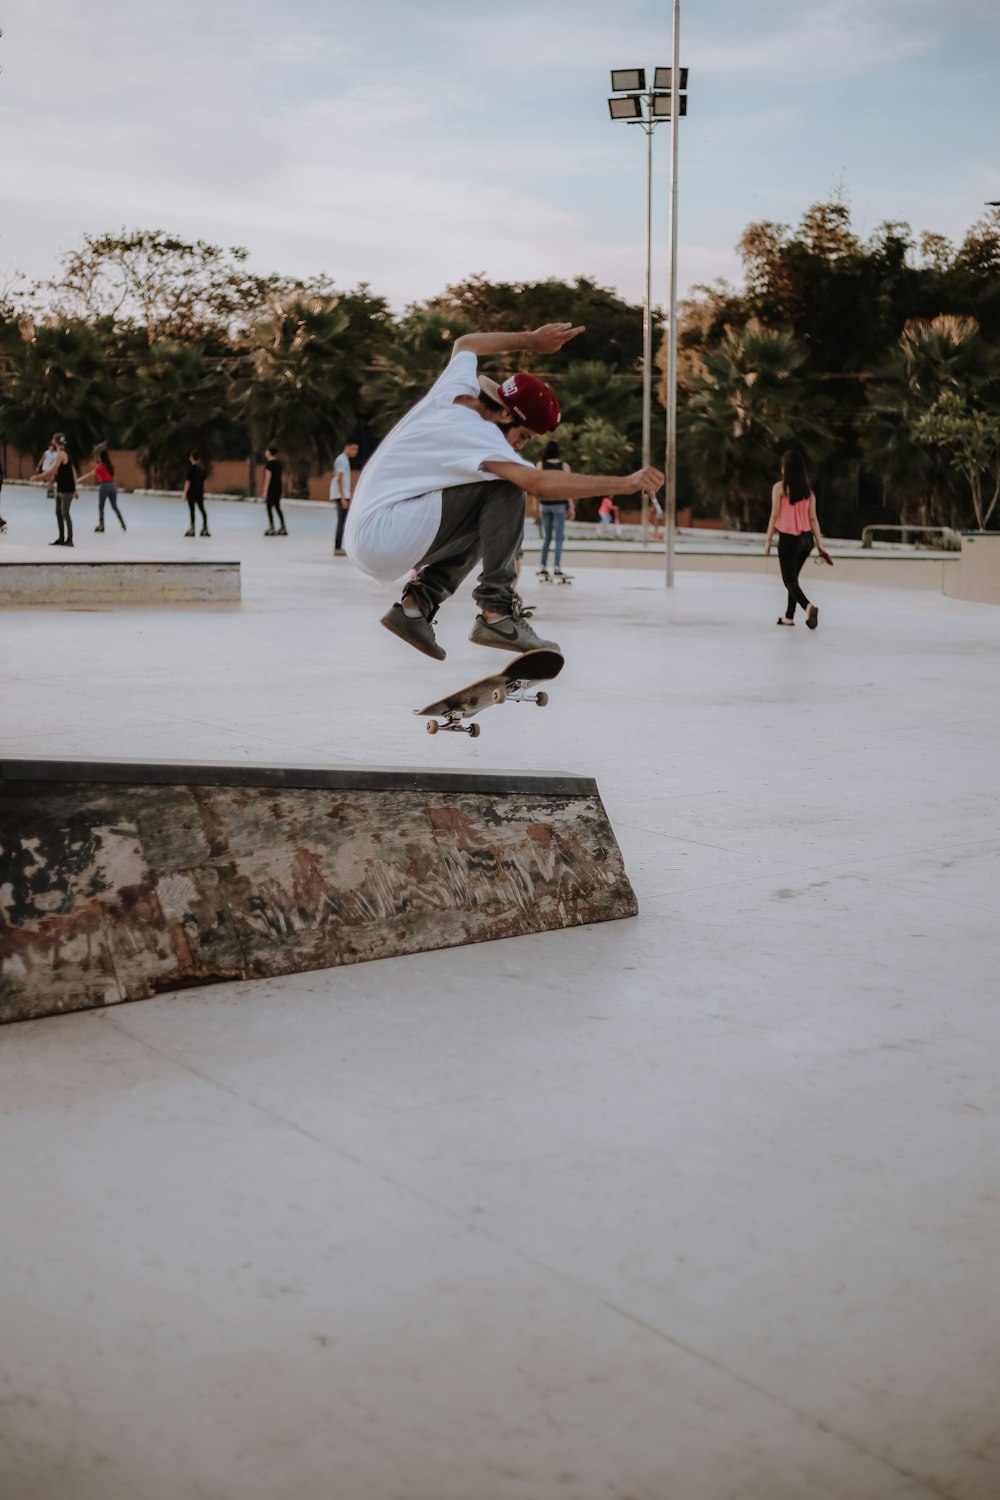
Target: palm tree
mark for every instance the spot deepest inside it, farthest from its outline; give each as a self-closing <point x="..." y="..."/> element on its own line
<point x="297" y="387"/>
<point x="934" y="358"/>
<point x="751" y="402"/>
<point x="417" y="352"/>
<point x="56" y="379"/>
<point x="175" y="400"/>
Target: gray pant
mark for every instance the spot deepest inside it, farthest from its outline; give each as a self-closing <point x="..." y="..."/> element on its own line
<point x="478" y="521"/>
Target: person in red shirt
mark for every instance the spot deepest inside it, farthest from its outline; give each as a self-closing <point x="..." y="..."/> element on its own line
<point x="104" y="472"/>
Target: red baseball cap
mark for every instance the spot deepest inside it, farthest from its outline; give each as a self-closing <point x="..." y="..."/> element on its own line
<point x="532" y="401"/>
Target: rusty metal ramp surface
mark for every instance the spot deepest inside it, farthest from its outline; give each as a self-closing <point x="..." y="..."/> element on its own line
<point x="119" y="880"/>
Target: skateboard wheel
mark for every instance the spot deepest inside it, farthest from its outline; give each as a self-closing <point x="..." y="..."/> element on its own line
<point x="542" y="699"/>
<point x="433" y="726"/>
<point x="499" y="695"/>
<point x="475" y="730"/>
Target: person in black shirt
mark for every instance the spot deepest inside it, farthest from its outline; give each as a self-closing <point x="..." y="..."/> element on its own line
<point x="194" y="493"/>
<point x="64" y="481"/>
<point x="272" y="492"/>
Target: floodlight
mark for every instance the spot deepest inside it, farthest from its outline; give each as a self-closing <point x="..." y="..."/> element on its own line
<point x="663" y="78"/>
<point x="625" y="80"/>
<point x="626" y="107"/>
<point x="662" y="103"/>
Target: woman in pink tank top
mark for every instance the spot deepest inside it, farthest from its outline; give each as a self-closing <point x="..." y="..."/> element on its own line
<point x="793" y="517"/>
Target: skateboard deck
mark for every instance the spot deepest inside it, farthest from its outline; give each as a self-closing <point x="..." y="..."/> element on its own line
<point x="544" y="577"/>
<point x="513" y="683"/>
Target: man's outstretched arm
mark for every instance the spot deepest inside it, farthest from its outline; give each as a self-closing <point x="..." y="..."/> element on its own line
<point x="563" y="484"/>
<point x="546" y="340"/>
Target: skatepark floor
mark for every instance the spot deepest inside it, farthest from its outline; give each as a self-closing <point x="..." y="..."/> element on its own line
<point x="698" y="1206"/>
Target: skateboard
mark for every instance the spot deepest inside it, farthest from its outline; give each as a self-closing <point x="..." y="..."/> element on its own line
<point x="513" y="683"/>
<point x="546" y="577"/>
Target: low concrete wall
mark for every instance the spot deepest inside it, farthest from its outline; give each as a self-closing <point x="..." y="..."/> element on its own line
<point x="977" y="577"/>
<point x="79" y="583"/>
<point x="121" y="880"/>
<point x="907" y="572"/>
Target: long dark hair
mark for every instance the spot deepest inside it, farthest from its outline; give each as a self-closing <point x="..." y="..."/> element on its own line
<point x="794" y="478"/>
<point x="103" y="456"/>
<point x="551" y="451"/>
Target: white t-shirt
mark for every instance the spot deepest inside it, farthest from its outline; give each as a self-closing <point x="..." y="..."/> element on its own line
<point x="341" y="465"/>
<point x="396" y="510"/>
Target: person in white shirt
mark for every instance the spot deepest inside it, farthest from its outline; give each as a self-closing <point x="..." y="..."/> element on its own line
<point x="46" y="464"/>
<point x="446" y="490"/>
<point x="340" y="490"/>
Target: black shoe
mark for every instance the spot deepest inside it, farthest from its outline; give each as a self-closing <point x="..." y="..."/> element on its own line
<point x="269" y="532"/>
<point x="282" y="532"/>
<point x="812" y="617"/>
<point x="99" y="526"/>
<point x="416" y="632"/>
<point x="190" y="531"/>
<point x="121" y="523"/>
<point x="58" y="542"/>
<point x="204" y="531"/>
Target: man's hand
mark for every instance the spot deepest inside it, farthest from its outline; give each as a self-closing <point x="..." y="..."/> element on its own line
<point x="551" y="336"/>
<point x="648" y="480"/>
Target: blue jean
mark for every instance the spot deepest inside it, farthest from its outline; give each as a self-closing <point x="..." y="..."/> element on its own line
<point x="554" y="513"/>
<point x="108" y="491"/>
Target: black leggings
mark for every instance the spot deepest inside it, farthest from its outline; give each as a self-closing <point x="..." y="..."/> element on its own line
<point x="197" y="500"/>
<point x="274" y="509"/>
<point x="64" y="499"/>
<point x="792" y="553"/>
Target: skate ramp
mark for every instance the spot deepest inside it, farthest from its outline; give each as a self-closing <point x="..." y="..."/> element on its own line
<point x="121" y="880"/>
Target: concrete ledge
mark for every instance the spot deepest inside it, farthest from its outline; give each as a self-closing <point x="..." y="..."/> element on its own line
<point x="908" y="570"/>
<point x="977" y="577"/>
<point x="120" y="880"/>
<point x="79" y="583"/>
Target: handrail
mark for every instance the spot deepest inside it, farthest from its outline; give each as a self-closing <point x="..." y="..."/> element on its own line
<point x="951" y="538"/>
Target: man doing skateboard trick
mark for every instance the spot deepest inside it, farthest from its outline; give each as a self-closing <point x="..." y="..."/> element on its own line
<point x="446" y="490"/>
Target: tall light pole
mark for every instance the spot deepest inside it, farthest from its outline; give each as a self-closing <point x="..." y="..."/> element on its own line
<point x="678" y="107"/>
<point x="649" y="108"/>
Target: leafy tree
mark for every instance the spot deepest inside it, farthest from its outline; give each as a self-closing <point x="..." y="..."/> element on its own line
<point x="612" y="326"/>
<point x="55" y="379"/>
<point x="971" y="441"/>
<point x="595" y="446"/>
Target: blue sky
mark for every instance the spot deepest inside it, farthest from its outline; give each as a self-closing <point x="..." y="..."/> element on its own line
<point x="411" y="143"/>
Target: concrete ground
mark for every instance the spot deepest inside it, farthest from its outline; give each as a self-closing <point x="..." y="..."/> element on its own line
<point x="699" y="1206"/>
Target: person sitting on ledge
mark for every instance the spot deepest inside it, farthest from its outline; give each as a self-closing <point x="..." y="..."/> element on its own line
<point x="446" y="490"/>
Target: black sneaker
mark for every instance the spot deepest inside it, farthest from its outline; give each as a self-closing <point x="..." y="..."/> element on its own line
<point x="416" y="632"/>
<point x="512" y="633"/>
